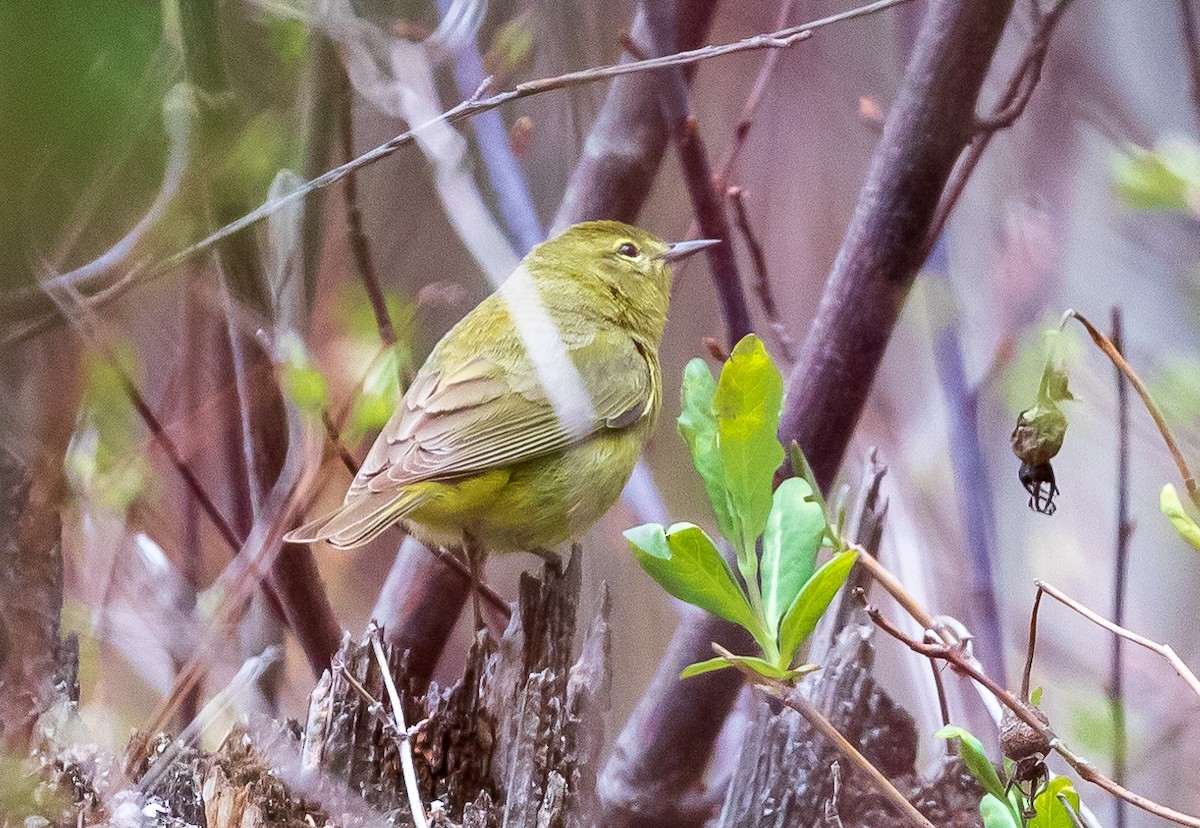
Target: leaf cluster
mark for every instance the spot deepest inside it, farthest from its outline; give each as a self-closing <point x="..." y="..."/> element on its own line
<point x="1002" y="805"/>
<point x="779" y="593"/>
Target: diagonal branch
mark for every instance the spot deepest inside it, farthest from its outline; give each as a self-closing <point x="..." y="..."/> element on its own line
<point x="707" y="202"/>
<point x="601" y="186"/>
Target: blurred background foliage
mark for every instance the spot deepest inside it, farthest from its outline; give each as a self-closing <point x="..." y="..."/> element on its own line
<point x="1090" y="200"/>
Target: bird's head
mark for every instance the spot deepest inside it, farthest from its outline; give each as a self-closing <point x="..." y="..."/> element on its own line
<point x="618" y="262"/>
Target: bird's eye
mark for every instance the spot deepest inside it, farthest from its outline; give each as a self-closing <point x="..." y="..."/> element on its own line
<point x="628" y="249"/>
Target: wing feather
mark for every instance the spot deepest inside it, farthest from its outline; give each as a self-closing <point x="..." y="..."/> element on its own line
<point x="489" y="410"/>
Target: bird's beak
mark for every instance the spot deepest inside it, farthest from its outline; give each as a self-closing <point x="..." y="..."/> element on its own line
<point x="681" y="250"/>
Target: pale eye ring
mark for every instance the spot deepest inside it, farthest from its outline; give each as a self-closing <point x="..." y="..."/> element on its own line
<point x="629" y="250"/>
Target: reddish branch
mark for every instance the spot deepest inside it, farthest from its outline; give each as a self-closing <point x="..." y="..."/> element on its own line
<point x="294" y="579"/>
<point x="708" y="205"/>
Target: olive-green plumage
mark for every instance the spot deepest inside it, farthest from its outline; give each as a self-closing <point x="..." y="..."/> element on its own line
<point x="525" y="422"/>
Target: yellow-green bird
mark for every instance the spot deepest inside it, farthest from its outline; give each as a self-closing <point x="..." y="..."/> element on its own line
<point x="525" y="422"/>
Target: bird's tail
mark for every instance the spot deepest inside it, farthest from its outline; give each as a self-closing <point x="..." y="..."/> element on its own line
<point x="358" y="521"/>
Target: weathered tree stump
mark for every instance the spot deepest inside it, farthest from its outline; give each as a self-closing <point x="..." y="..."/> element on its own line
<point x="514" y="742"/>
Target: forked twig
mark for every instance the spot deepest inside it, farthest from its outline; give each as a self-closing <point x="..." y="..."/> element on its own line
<point x="406" y="755"/>
<point x="1010" y="106"/>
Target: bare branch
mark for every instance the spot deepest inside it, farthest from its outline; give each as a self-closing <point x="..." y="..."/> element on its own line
<point x="804" y="707"/>
<point x="1011" y="105"/>
<point x="1163" y="650"/>
<point x="359" y="246"/>
<point x="762" y="283"/>
<point x="1124" y="529"/>
<point x="708" y="206"/>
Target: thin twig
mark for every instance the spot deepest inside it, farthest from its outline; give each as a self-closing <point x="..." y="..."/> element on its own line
<point x="415" y="805"/>
<point x="1110" y="350"/>
<point x="813" y="716"/>
<point x="708" y="206"/>
<point x="1031" y="647"/>
<point x="1163" y="650"/>
<point x="746" y="119"/>
<point x="1011" y="105"/>
<point x="762" y="284"/>
<point x="781" y="39"/>
<point x="1085" y="769"/>
<point x="359" y="246"/>
<point x="1116" y="676"/>
<point x="943" y="704"/>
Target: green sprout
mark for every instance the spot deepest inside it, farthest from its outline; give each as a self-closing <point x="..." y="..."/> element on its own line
<point x="730" y="426"/>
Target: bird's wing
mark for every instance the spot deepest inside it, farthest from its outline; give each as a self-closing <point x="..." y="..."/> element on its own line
<point x="493" y="409"/>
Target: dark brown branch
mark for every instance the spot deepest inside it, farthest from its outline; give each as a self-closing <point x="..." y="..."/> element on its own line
<point x="762" y="282"/>
<point x="708" y="205"/>
<point x="359" y="246"/>
<point x="626" y="143"/>
<point x="1190" y="32"/>
<point x="672" y="730"/>
<point x="1023" y="711"/>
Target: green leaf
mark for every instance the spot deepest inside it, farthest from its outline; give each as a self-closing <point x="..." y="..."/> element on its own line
<point x="975" y="758"/>
<point x="105" y="457"/>
<point x="702" y="667"/>
<point x="996" y="814"/>
<point x="301" y="383"/>
<point x="698" y="427"/>
<point x="1172" y="507"/>
<point x="1164" y="178"/>
<point x="793" y="535"/>
<point x="1035" y="697"/>
<point x="686" y="563"/>
<point x="758" y="665"/>
<point x="747" y="405"/>
<point x="381" y="391"/>
<point x="1050" y="811"/>
<point x="801" y="618"/>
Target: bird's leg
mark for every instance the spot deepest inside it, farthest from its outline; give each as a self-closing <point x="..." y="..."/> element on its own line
<point x="474" y="554"/>
<point x="552" y="559"/>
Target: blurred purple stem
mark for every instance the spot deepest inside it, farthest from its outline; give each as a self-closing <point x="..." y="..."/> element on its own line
<point x="505" y="175"/>
<point x="1116" y="678"/>
<point x="972" y="486"/>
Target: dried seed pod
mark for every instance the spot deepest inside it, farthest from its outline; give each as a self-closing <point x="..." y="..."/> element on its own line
<point x="1018" y="740"/>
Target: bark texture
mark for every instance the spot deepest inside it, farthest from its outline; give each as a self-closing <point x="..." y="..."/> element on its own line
<point x="36" y="666"/>
<point x="514" y="742"/>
